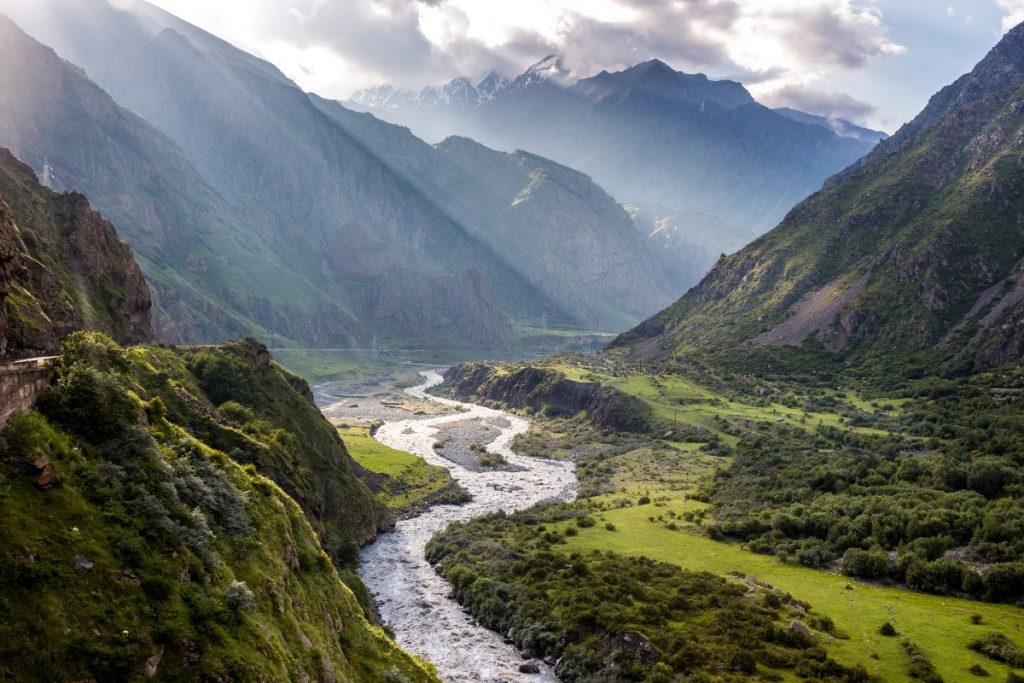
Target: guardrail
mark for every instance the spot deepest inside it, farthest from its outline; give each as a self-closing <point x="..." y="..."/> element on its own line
<point x="22" y="382"/>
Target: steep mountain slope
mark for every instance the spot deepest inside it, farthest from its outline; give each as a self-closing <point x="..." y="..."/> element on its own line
<point x="62" y="268"/>
<point x="347" y="223"/>
<point x="916" y="250"/>
<point x="159" y="555"/>
<point x="564" y="234"/>
<point x="207" y="260"/>
<point x="649" y="134"/>
<point x="687" y="244"/>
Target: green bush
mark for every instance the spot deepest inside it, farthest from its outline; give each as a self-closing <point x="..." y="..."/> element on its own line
<point x="27" y="435"/>
<point x="887" y="629"/>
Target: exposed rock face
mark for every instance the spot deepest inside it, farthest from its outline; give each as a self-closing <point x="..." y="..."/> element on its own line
<point x="545" y="390"/>
<point x="62" y="268"/>
<point x="914" y="252"/>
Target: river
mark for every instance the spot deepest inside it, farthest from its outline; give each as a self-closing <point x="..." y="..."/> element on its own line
<point x="411" y="597"/>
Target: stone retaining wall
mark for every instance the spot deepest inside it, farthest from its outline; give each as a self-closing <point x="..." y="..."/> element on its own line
<point x="21" y="384"/>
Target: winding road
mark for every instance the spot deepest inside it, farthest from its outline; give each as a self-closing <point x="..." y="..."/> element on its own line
<point x="411" y="597"/>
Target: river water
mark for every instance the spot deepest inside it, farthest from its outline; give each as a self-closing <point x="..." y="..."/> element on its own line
<point x="411" y="597"/>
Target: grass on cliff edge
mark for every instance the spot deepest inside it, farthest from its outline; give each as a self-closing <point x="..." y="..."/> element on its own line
<point x="410" y="482"/>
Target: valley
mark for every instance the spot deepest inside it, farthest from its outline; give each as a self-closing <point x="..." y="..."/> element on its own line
<point x="611" y="371"/>
<point x="412" y="599"/>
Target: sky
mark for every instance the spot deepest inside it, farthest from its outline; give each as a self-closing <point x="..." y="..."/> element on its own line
<point x="875" y="62"/>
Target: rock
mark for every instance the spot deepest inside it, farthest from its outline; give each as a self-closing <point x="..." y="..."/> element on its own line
<point x="549" y="660"/>
<point x="47" y="478"/>
<point x="798" y="627"/>
<point x="82" y="564"/>
<point x="525" y="654"/>
<point x="150" y="665"/>
<point x="304" y="639"/>
<point x="40" y="461"/>
<point x="529" y="667"/>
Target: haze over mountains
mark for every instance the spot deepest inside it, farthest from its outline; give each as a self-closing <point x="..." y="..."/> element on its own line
<point x="256" y="208"/>
<point x="914" y="253"/>
<point x="648" y="134"/>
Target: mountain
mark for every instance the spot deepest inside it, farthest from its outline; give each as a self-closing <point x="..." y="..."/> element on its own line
<point x="687" y="244"/>
<point x="648" y="134"/>
<point x="336" y="206"/>
<point x="166" y="550"/>
<point x="915" y="252"/>
<point x="552" y="224"/>
<point x="62" y="268"/>
<point x="841" y="127"/>
<point x="206" y="259"/>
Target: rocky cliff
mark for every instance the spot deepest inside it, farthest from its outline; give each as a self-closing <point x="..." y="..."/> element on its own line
<point x="62" y="268"/>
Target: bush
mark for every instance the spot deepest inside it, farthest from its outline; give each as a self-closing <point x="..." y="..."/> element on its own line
<point x="609" y="526"/>
<point x="585" y="522"/>
<point x="29" y="434"/>
<point x="865" y="564"/>
<point x="887" y="629"/>
<point x="998" y="647"/>
<point x="978" y="670"/>
<point x="234" y="411"/>
<point x="239" y="598"/>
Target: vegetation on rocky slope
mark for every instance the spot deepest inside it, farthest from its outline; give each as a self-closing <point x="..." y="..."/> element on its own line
<point x="62" y="267"/>
<point x="135" y="546"/>
<point x="911" y="256"/>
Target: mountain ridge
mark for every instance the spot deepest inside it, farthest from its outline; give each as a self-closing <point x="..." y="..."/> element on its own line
<point x="913" y="252"/>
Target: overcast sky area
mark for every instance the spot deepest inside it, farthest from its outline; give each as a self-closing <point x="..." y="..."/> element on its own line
<point x="873" y="61"/>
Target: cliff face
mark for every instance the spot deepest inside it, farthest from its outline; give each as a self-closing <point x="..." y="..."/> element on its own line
<point x="914" y="254"/>
<point x="544" y="389"/>
<point x="62" y="268"/>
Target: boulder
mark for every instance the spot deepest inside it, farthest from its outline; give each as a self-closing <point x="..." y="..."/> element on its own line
<point x="82" y="564"/>
<point x="529" y="667"/>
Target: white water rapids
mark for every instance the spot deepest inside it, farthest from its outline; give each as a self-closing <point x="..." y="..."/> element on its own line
<point x="411" y="597"/>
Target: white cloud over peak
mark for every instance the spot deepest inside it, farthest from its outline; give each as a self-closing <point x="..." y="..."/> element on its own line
<point x="337" y="46"/>
<point x="1013" y="12"/>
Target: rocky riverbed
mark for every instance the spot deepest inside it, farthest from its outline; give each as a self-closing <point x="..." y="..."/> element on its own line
<point x="411" y="597"/>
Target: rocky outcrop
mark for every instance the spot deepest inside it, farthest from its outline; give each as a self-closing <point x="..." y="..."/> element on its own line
<point x="545" y="390"/>
<point x="62" y="268"/>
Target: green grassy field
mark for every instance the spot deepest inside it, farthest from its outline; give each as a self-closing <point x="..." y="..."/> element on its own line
<point x="411" y="482"/>
<point x="667" y="529"/>
<point x="939" y="625"/>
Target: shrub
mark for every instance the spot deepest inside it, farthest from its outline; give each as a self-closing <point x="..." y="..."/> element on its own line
<point x="29" y="434"/>
<point x="865" y="564"/>
<point x="239" y="598"/>
<point x="609" y="526"/>
<point x="585" y="522"/>
<point x="887" y="629"/>
<point x="234" y="411"/>
<point x="978" y="670"/>
<point x="998" y="647"/>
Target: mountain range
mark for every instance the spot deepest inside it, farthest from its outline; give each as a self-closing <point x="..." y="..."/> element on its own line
<point x="914" y="254"/>
<point x="257" y="208"/>
<point x="649" y="134"/>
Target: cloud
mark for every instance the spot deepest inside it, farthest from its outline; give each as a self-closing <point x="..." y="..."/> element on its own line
<point x="337" y="46"/>
<point x="832" y="105"/>
<point x="1013" y="12"/>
